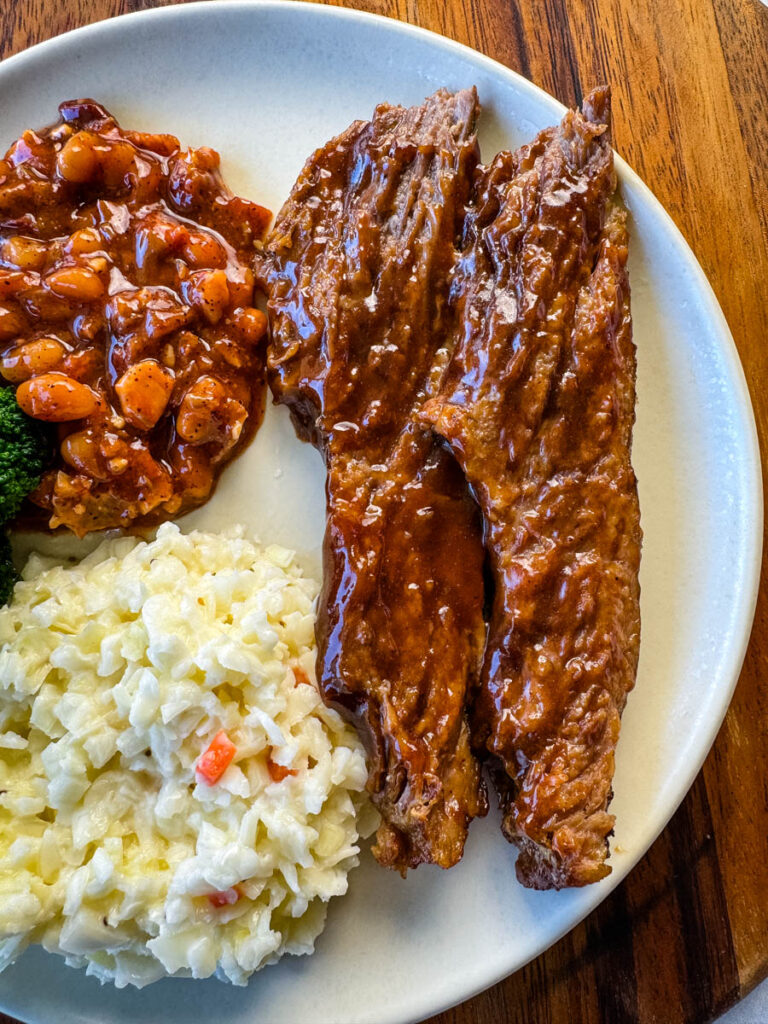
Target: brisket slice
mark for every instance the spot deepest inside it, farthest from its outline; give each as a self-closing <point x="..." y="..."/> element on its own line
<point x="357" y="272"/>
<point x="538" y="403"/>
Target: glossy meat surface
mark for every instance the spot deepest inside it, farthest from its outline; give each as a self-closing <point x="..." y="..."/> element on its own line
<point x="537" y="402"/>
<point x="357" y="270"/>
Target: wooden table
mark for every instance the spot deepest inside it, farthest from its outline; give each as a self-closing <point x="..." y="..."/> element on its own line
<point x="687" y="933"/>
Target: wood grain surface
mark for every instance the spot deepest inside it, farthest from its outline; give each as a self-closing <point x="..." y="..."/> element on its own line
<point x="686" y="934"/>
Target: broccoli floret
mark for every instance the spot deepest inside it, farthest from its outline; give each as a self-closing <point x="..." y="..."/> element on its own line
<point x="25" y="446"/>
<point x="8" y="574"/>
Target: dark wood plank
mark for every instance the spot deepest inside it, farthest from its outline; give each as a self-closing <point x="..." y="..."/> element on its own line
<point x="687" y="932"/>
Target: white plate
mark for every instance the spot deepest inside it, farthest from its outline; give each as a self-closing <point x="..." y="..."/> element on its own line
<point x="265" y="83"/>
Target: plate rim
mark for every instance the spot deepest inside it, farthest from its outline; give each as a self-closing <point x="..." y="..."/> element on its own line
<point x="752" y="500"/>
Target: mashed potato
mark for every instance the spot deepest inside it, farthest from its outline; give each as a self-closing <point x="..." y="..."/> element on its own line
<point x="115" y="676"/>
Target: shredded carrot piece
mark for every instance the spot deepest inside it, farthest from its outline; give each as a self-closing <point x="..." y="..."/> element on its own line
<point x="217" y="758"/>
<point x="278" y="772"/>
<point x="300" y="676"/>
<point x="225" y="898"/>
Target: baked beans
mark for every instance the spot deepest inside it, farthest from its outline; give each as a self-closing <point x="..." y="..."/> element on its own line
<point x="127" y="316"/>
